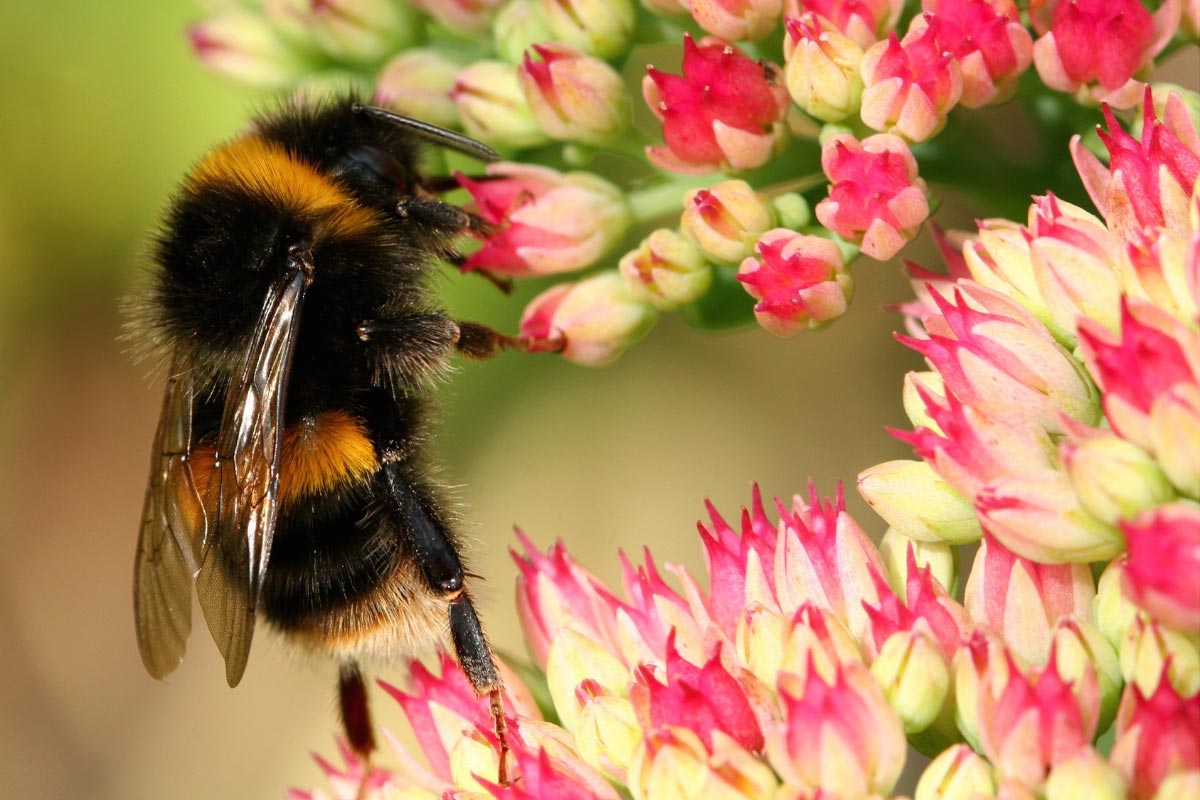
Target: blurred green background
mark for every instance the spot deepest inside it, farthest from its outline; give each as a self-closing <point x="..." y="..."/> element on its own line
<point x="104" y="110"/>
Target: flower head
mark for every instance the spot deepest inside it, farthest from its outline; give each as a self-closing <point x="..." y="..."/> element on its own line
<point x="910" y="85"/>
<point x="590" y="322"/>
<point x="1164" y="559"/>
<point x="737" y="20"/>
<point x="1156" y="736"/>
<point x="987" y="39"/>
<point x="574" y="96"/>
<point x="864" y="21"/>
<point x="799" y="281"/>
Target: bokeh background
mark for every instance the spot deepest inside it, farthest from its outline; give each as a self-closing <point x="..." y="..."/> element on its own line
<point x="103" y="109"/>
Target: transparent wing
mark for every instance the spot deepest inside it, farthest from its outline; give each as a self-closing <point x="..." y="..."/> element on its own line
<point x="170" y="537"/>
<point x="242" y="498"/>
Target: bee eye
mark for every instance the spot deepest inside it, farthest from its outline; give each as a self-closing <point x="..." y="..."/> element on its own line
<point x="374" y="163"/>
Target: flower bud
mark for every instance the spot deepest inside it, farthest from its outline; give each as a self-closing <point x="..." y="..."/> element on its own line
<point x="816" y="639"/>
<point x="574" y="97"/>
<point x="1078" y="646"/>
<point x="981" y="666"/>
<point x="1182" y="785"/>
<point x="864" y="21"/>
<point x="726" y="220"/>
<point x="1151" y="652"/>
<point x="800" y="282"/>
<point x="467" y="18"/>
<point x="822" y="68"/>
<point x="1039" y="516"/>
<point x="987" y="39"/>
<point x="1163" y="562"/>
<point x="418" y="83"/>
<point x="839" y="735"/>
<point x="666" y="270"/>
<point x="518" y="26"/>
<point x="673" y="762"/>
<point x="362" y="31"/>
<point x="875" y="198"/>
<point x="492" y="106"/>
<point x="593" y="320"/>
<point x="1114" y="479"/>
<point x="759" y="642"/>
<point x="737" y="20"/>
<point x="725" y="112"/>
<point x="1156" y="736"/>
<point x="1085" y="774"/>
<point x="607" y="734"/>
<point x="958" y="773"/>
<point x="939" y="557"/>
<point x="909" y="86"/>
<point x="1021" y="601"/>
<point x="1112" y="609"/>
<point x="600" y="27"/>
<point x="545" y="221"/>
<point x="915" y="678"/>
<point x="1174" y="433"/>
<point x="915" y="500"/>
<point x="930" y="384"/>
<point x="574" y="659"/>
<point x="243" y="46"/>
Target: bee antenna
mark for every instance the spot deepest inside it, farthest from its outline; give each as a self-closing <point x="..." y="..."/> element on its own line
<point x="432" y="133"/>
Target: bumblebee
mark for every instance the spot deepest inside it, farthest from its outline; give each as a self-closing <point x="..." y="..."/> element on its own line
<point x="289" y="297"/>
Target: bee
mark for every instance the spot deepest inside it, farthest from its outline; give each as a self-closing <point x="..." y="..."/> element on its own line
<point x="288" y="480"/>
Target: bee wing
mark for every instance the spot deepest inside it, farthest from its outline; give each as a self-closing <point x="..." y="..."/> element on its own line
<point x="244" y="490"/>
<point x="169" y="539"/>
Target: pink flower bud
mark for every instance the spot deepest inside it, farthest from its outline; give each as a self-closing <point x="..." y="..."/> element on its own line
<point x="1158" y="733"/>
<point x="875" y="199"/>
<point x="1039" y="516"/>
<point x="840" y="734"/>
<point x="864" y="21"/>
<point x="492" y="107"/>
<point x="602" y="28"/>
<point x="574" y="97"/>
<point x="910" y="85"/>
<point x="553" y="590"/>
<point x="418" y="83"/>
<point x="814" y="639"/>
<point x="518" y="25"/>
<point x="243" y="46"/>
<point x="1114" y="612"/>
<point x="703" y="699"/>
<point x="1148" y="182"/>
<point x="364" y="31"/>
<point x="654" y="612"/>
<point x="915" y="677"/>
<point x="737" y="562"/>
<point x="981" y="666"/>
<point x="590" y="322"/>
<point x="726" y="220"/>
<point x="579" y="667"/>
<point x="987" y="38"/>
<point x="1086" y="774"/>
<point x="800" y="282"/>
<point x="467" y="18"/>
<point x="1151" y="651"/>
<point x="822" y="69"/>
<point x="940" y="558"/>
<point x="1152" y="353"/>
<point x="667" y="270"/>
<point x="1036" y="721"/>
<point x="927" y="607"/>
<point x="1095" y="48"/>
<point x="547" y="221"/>
<point x="548" y="767"/>
<point x="607" y="734"/>
<point x="726" y="112"/>
<point x="827" y="560"/>
<point x="737" y="20"/>
<point x="1079" y="646"/>
<point x="1021" y="601"/>
<point x="1175" y="436"/>
<point x="1164" y="268"/>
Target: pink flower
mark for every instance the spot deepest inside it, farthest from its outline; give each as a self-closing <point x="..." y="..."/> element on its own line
<point x="737" y="20"/>
<point x="544" y="775"/>
<point x="800" y="282"/>
<point x="574" y="96"/>
<point x="590" y="322"/>
<point x="1153" y="353"/>
<point x="864" y="21"/>
<point x="910" y="85"/>
<point x="875" y="199"/>
<point x="1036" y="721"/>
<point x="726" y="219"/>
<point x="1163" y="562"/>
<point x="926" y="605"/>
<point x="547" y="221"/>
<point x="1148" y="183"/>
<point x="464" y="17"/>
<point x="653" y="616"/>
<point x="733" y="561"/>
<point x="725" y="112"/>
<point x="987" y="38"/>
<point x="1097" y="47"/>
<point x="704" y="699"/>
<point x="243" y="46"/>
<point x="1021" y="601"/>
<point x="840" y="734"/>
<point x="1158" y="733"/>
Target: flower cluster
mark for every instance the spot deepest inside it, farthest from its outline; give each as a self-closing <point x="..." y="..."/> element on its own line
<point x="769" y="110"/>
<point x="1057" y="429"/>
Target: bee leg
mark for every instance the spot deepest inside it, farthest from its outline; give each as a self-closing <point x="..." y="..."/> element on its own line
<point x="458" y="261"/>
<point x="356" y="718"/>
<point x="479" y="341"/>
<point x="479" y="664"/>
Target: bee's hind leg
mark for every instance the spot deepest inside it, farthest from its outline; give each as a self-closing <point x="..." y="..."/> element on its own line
<point x="356" y="718"/>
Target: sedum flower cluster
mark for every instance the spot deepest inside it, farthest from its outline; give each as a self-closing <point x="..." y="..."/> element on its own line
<point x="1055" y="431"/>
<point x="701" y="156"/>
